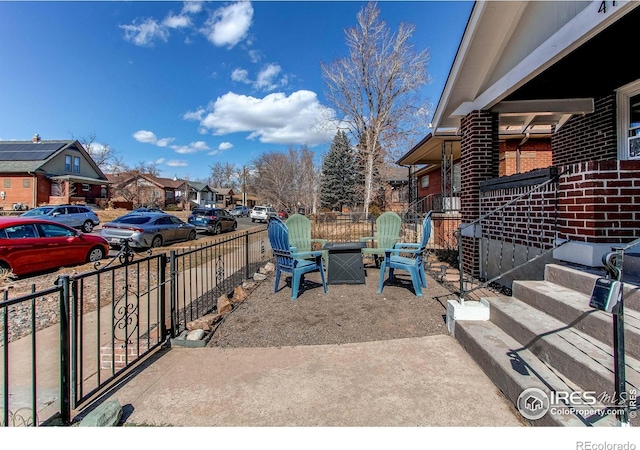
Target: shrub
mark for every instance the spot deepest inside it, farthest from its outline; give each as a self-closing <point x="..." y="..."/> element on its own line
<point x="375" y="212"/>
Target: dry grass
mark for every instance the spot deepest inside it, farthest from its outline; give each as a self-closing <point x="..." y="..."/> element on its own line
<point x="107" y="215"/>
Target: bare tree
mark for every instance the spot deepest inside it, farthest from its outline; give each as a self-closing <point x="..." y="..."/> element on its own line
<point x="224" y="175"/>
<point x="102" y="154"/>
<point x="376" y="89"/>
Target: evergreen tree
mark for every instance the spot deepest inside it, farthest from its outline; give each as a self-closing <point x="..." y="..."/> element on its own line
<point x="338" y="184"/>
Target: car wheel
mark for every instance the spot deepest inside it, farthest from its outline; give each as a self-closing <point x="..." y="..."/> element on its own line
<point x="192" y="235"/>
<point x="253" y="220"/>
<point x="157" y="242"/>
<point x="235" y="226"/>
<point x="217" y="229"/>
<point x="5" y="270"/>
<point x="87" y="227"/>
<point x="95" y="254"/>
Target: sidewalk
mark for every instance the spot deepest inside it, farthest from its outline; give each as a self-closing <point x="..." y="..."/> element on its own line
<point x="428" y="381"/>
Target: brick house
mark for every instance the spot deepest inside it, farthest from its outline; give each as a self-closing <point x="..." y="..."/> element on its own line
<point x="561" y="71"/>
<point x="41" y="172"/>
<point x="134" y="189"/>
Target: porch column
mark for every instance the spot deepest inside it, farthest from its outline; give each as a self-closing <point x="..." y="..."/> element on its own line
<point x="479" y="151"/>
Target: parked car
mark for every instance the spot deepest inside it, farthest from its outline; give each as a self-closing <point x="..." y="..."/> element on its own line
<point x="147" y="230"/>
<point x="283" y="214"/>
<point x="150" y="209"/>
<point x="73" y="216"/>
<point x="30" y="245"/>
<point x="213" y="220"/>
<point x="262" y="213"/>
<point x="240" y="211"/>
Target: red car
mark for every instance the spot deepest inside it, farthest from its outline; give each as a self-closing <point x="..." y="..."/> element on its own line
<point x="29" y="245"/>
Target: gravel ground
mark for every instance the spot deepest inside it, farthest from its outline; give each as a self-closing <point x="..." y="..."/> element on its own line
<point x="347" y="313"/>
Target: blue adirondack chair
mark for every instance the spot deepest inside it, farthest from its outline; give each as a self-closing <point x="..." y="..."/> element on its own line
<point x="412" y="264"/>
<point x="290" y="261"/>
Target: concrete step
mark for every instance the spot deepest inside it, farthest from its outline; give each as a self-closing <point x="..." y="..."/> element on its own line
<point x="582" y="280"/>
<point x="582" y="359"/>
<point x="514" y="368"/>
<point x="572" y="307"/>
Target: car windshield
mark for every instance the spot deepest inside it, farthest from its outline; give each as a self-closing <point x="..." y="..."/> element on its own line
<point x="38" y="212"/>
<point x="135" y="220"/>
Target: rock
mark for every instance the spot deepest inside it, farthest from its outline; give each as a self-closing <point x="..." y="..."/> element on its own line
<point x="107" y="414"/>
<point x="224" y="305"/>
<point x="204" y="323"/>
<point x="183" y="335"/>
<point x="248" y="285"/>
<point x="269" y="267"/>
<point x="259" y="277"/>
<point x="195" y="335"/>
<point x="239" y="295"/>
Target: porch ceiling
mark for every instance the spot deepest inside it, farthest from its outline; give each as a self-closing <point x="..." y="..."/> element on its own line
<point x="429" y="151"/>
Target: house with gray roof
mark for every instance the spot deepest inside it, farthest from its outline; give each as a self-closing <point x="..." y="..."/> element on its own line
<point x="41" y="172"/>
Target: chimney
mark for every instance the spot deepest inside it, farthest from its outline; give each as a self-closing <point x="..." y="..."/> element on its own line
<point x="36" y="138"/>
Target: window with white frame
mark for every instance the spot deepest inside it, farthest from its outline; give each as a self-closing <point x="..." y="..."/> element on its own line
<point x="76" y="164"/>
<point x="86" y="187"/>
<point x="424" y="181"/>
<point x="67" y="163"/>
<point x="628" y="106"/>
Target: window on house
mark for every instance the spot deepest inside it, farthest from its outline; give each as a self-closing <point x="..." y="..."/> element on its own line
<point x="76" y="164"/>
<point x="26" y="183"/>
<point x="67" y="163"/>
<point x="7" y="182"/>
<point x="424" y="181"/>
<point x="628" y="114"/>
<point x="155" y="194"/>
<point x="86" y="188"/>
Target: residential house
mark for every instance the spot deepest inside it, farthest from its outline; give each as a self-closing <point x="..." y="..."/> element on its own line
<point x="249" y="199"/>
<point x="134" y="189"/>
<point x="547" y="80"/>
<point x="224" y="197"/>
<point x="41" y="172"/>
<point x="564" y="70"/>
<point x="395" y="189"/>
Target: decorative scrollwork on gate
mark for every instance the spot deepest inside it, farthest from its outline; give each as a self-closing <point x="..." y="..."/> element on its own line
<point x="125" y="316"/>
<point x="263" y="253"/>
<point x="219" y="270"/>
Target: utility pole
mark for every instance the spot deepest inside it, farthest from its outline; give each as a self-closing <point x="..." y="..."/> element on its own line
<point x="244" y="185"/>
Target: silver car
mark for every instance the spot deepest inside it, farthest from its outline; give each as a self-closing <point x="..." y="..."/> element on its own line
<point x="147" y="230"/>
<point x="74" y="216"/>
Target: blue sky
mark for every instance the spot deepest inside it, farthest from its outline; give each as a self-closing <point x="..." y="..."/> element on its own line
<point x="189" y="84"/>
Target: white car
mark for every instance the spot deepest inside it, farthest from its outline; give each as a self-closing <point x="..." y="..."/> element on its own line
<point x="262" y="213"/>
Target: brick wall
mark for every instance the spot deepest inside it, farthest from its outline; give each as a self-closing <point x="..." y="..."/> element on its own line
<point x="435" y="184"/>
<point x="479" y="147"/>
<point x="599" y="201"/>
<point x="120" y="355"/>
<point x="588" y="137"/>
<point x="534" y="154"/>
<point x="17" y="189"/>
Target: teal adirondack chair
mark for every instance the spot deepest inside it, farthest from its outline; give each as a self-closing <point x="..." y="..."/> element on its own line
<point x="388" y="226"/>
<point x="413" y="264"/>
<point x="300" y="235"/>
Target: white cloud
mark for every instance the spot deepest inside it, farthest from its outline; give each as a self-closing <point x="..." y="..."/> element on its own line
<point x="193" y="147"/>
<point x="276" y="118"/>
<point x="240" y="75"/>
<point x="192" y="7"/>
<point x="172" y="21"/>
<point x="165" y="141"/>
<point x="254" y="56"/>
<point x="229" y="25"/>
<point x="160" y="160"/>
<point x="177" y="163"/>
<point x="145" y="136"/>
<point x="225" y="146"/>
<point x="266" y="77"/>
<point x="145" y="33"/>
<point x="194" y="115"/>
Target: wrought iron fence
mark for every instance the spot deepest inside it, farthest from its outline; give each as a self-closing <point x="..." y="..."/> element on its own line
<point x="64" y="345"/>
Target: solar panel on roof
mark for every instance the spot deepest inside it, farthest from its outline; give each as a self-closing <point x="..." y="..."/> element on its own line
<point x="28" y="152"/>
